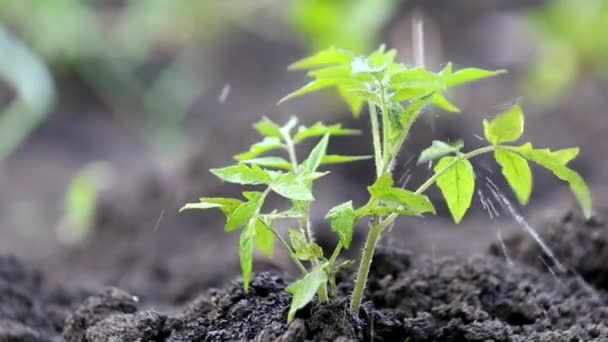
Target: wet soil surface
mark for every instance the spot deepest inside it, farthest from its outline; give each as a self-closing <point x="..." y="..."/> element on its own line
<point x="409" y="298"/>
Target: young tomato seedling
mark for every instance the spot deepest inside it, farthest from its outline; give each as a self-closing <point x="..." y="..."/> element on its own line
<point x="396" y="96"/>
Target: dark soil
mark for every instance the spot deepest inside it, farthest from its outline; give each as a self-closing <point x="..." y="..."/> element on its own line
<point x="409" y="299"/>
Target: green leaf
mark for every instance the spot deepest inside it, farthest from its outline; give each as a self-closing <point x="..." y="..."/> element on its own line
<point x="242" y="214"/>
<point x="264" y="238"/>
<point x="468" y="75"/>
<point x="457" y="184"/>
<point x="304" y="290"/>
<point x="517" y="172"/>
<point x="320" y="129"/>
<point x="315" y="157"/>
<point x="383" y="190"/>
<point x="242" y="174"/>
<point x="506" y="127"/>
<point x="566" y="155"/>
<point x="353" y="100"/>
<point x="327" y="57"/>
<point x="292" y="187"/>
<point x="259" y="148"/>
<point x="297" y="240"/>
<point x="246" y="252"/>
<point x="439" y="149"/>
<point x="339" y="159"/>
<point x="267" y="128"/>
<point x="304" y="250"/>
<point x="226" y="205"/>
<point x="310" y="87"/>
<point x="441" y="102"/>
<point x="342" y="220"/>
<point x="556" y="163"/>
<point x="271" y="162"/>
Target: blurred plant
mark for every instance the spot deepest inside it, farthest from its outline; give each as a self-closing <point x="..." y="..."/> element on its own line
<point x="23" y="71"/>
<point x="353" y="25"/>
<point x="80" y="202"/>
<point x="571" y="36"/>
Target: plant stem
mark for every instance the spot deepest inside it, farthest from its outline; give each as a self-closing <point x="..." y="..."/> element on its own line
<point x="364" y="265"/>
<point x="291" y="150"/>
<point x="373" y="116"/>
<point x="292" y="255"/>
<point x="386" y="161"/>
<point x="335" y="254"/>
<point x="378" y="227"/>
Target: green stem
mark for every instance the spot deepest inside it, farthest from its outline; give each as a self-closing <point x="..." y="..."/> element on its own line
<point x="335" y="254"/>
<point x="373" y="116"/>
<point x="387" y="157"/>
<point x="292" y="254"/>
<point x="364" y="265"/>
<point x="378" y="227"/>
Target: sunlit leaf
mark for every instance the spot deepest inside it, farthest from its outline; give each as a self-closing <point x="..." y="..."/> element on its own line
<point x="468" y="75"/>
<point x="271" y="162"/>
<point x="506" y="127"/>
<point x="315" y="157"/>
<point x="310" y="88"/>
<point x="342" y="220"/>
<point x="259" y="148"/>
<point x="383" y="190"/>
<point x="242" y="174"/>
<point x="439" y="149"/>
<point x="320" y="129"/>
<point x="264" y="238"/>
<point x="339" y="159"/>
<point x="242" y="214"/>
<point x="304" y="290"/>
<point x="267" y="128"/>
<point x="292" y="187"/>
<point x="441" y="102"/>
<point x="517" y="172"/>
<point x="457" y="184"/>
<point x="556" y="163"/>
<point x="327" y="57"/>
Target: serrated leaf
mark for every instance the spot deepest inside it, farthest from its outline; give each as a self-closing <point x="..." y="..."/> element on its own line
<point x="267" y="128"/>
<point x="439" y="149"/>
<point x="566" y="155"/>
<point x="506" y="127"/>
<point x="309" y="252"/>
<point x="320" y="129"/>
<point x="352" y="99"/>
<point x="242" y="174"/>
<point x="382" y="190"/>
<point x="271" y="162"/>
<point x="468" y="75"/>
<point x="310" y="87"/>
<point x="226" y="205"/>
<point x="339" y="159"/>
<point x="315" y="157"/>
<point x="259" y="148"/>
<point x="304" y="290"/>
<point x="292" y="187"/>
<point x="457" y="184"/>
<point x="517" y="172"/>
<point x="297" y="240"/>
<point x="342" y="221"/>
<point x="327" y="57"/>
<point x="242" y="214"/>
<point x="556" y="163"/>
<point x="264" y="238"/>
<point x="441" y="102"/>
<point x="246" y="242"/>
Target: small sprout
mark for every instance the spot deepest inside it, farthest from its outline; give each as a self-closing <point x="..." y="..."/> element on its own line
<point x="396" y="96"/>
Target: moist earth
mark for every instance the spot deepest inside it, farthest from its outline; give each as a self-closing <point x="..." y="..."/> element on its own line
<point x="409" y="298"/>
